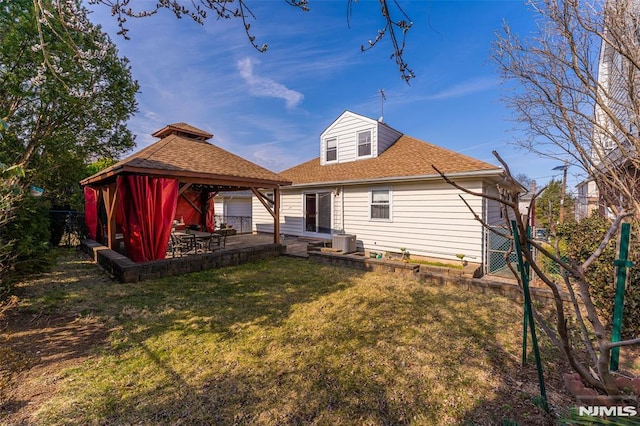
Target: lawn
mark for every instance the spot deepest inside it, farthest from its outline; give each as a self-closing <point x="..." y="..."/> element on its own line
<point x="281" y="341"/>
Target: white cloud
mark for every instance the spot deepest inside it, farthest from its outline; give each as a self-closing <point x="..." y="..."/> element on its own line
<point x="266" y="87"/>
<point x="465" y="88"/>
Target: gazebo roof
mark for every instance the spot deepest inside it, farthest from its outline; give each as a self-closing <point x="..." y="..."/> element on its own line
<point x="184" y="153"/>
<point x="182" y="129"/>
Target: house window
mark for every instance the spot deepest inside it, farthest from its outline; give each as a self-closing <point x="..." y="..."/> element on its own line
<point x="270" y="199"/>
<point x="364" y="143"/>
<point x="332" y="149"/>
<point x="380" y="204"/>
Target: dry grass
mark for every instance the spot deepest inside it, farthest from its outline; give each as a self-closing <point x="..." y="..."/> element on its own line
<point x="286" y="341"/>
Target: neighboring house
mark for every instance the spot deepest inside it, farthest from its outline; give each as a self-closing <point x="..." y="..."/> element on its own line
<point x="588" y="199"/>
<point x="524" y="203"/>
<point x="378" y="184"/>
<point x="618" y="82"/>
<point x="234" y="208"/>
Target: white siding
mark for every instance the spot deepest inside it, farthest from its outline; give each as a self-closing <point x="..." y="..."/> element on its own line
<point x="261" y="220"/>
<point x="337" y="216"/>
<point x="428" y="218"/>
<point x="618" y="89"/>
<point x="345" y="129"/>
<point x="218" y="206"/>
<point x="291" y="214"/>
<point x="494" y="215"/>
<point x="588" y="199"/>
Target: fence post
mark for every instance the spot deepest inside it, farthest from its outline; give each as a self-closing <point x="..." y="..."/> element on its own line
<point x="622" y="263"/>
<point x="524" y="274"/>
<point x="525" y="321"/>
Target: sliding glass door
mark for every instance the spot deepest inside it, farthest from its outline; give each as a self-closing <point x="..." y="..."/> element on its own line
<point x="317" y="215"/>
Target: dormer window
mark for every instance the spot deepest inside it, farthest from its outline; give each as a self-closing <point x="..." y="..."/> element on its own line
<point x="332" y="149"/>
<point x="364" y="143"/>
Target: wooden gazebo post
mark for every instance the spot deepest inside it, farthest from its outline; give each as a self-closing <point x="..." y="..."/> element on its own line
<point x="276" y="215"/>
<point x="110" y="198"/>
<point x="274" y="212"/>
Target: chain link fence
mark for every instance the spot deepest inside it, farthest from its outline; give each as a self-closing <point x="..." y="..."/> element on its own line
<point x="549" y="267"/>
<point x="500" y="253"/>
<point x="67" y="227"/>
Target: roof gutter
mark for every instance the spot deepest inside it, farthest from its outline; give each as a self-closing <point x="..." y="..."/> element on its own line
<point x="495" y="173"/>
<point x="102" y="175"/>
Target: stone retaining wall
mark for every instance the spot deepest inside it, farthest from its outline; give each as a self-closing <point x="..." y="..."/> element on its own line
<point x="127" y="271"/>
<point x="432" y="275"/>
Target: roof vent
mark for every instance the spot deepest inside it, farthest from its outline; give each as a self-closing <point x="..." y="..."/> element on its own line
<point x="183" y="130"/>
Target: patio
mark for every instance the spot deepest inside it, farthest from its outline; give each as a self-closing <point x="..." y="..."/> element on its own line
<point x="296" y="246"/>
<point x="239" y="249"/>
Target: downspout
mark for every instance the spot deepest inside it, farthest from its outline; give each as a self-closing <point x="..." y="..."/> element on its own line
<point x="485" y="234"/>
<point x="342" y="207"/>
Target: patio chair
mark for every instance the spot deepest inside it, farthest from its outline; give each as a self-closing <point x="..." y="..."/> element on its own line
<point x="216" y="241"/>
<point x="179" y="245"/>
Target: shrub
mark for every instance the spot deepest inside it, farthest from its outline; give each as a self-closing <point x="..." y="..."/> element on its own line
<point x="582" y="240"/>
<point x="30" y="232"/>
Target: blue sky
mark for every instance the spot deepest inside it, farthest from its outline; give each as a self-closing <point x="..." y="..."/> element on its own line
<point x="271" y="107"/>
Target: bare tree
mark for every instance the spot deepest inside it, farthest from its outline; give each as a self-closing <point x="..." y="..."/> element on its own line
<point x="584" y="341"/>
<point x="576" y="89"/>
<point x="395" y="24"/>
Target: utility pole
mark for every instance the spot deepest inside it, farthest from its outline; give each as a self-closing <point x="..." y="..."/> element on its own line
<point x="532" y="213"/>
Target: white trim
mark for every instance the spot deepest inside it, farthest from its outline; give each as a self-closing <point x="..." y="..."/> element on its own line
<point x="370" y="204"/>
<point x="326" y="149"/>
<point x="496" y="173"/>
<point x="271" y="196"/>
<point x="348" y="113"/>
<point x="304" y="213"/>
<point x="370" y="154"/>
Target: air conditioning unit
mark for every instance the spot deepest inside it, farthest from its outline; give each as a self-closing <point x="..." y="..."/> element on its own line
<point x="344" y="242"/>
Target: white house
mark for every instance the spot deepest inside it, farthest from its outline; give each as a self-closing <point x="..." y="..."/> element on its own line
<point x="587" y="200"/>
<point x="616" y="127"/>
<point x="234" y="208"/>
<point x="378" y="184"/>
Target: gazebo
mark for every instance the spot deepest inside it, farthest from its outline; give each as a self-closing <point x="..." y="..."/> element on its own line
<point x="174" y="178"/>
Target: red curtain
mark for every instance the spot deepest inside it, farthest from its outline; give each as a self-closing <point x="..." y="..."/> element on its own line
<point x="148" y="207"/>
<point x="91" y="211"/>
<point x="185" y="210"/>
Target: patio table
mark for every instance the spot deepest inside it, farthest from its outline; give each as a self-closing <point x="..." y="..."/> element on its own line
<point x="200" y="240"/>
